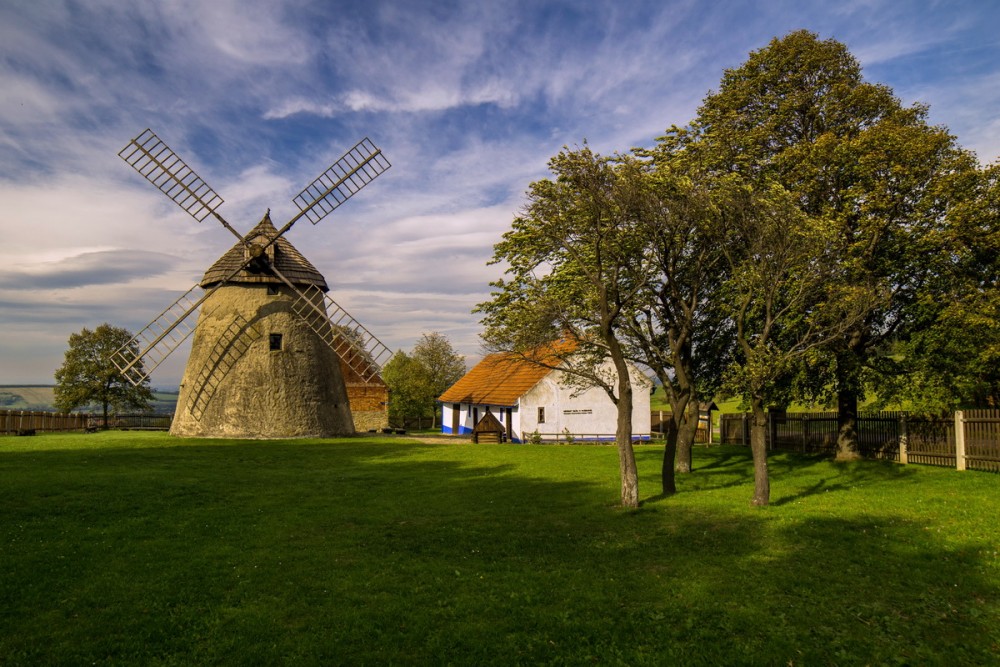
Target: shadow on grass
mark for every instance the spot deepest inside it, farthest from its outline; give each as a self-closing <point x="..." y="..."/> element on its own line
<point x="381" y="552"/>
<point x="729" y="467"/>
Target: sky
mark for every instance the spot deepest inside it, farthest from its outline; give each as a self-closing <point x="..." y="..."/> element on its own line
<point x="467" y="100"/>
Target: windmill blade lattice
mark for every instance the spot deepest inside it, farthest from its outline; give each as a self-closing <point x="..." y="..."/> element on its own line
<point x="354" y="170"/>
<point x="158" y="339"/>
<point x="359" y="348"/>
<point x="159" y="165"/>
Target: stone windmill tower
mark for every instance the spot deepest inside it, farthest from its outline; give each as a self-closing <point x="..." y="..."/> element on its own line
<point x="271" y="349"/>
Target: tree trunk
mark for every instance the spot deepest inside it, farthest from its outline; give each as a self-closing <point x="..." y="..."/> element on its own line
<point x="685" y="437"/>
<point x="623" y="433"/>
<point x="626" y="461"/>
<point x="758" y="445"/>
<point x="847" y="425"/>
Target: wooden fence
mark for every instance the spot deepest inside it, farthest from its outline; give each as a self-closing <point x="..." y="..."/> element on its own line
<point x="894" y="436"/>
<point x="658" y="425"/>
<point x="35" y="421"/>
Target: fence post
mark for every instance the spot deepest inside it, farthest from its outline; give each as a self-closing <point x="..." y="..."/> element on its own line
<point x="805" y="432"/>
<point x="959" y="440"/>
<point x="903" y="440"/>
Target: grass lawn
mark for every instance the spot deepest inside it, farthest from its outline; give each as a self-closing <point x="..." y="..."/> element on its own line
<point x="137" y="548"/>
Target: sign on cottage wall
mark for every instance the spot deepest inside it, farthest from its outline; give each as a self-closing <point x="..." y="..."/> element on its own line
<point x="585" y="411"/>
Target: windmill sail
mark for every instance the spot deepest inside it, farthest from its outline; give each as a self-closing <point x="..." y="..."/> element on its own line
<point x="354" y="344"/>
<point x="354" y="170"/>
<point x="159" y="165"/>
<point x="158" y="339"/>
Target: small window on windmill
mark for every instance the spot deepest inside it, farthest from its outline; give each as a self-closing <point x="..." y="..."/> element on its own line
<point x="275" y="342"/>
<point x="272" y="289"/>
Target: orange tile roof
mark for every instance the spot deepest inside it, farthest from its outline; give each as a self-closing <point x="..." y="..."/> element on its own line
<point x="500" y="379"/>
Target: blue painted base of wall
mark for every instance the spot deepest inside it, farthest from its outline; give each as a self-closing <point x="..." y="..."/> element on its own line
<point x="462" y="430"/>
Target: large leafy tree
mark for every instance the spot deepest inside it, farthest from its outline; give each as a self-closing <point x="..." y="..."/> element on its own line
<point x="678" y="330"/>
<point x="576" y="267"/>
<point x="786" y="295"/>
<point x="89" y="377"/>
<point x="799" y="112"/>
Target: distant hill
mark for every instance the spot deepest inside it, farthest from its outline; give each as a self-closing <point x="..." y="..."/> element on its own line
<point x="42" y="398"/>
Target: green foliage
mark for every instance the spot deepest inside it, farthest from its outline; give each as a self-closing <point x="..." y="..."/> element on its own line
<point x="415" y="381"/>
<point x="679" y="330"/>
<point x="578" y="263"/>
<point x="443" y="365"/>
<point x="953" y="358"/>
<point x="88" y="376"/>
<point x="805" y="236"/>
<point x="134" y="548"/>
<point x="575" y="259"/>
<point x="409" y="387"/>
<point x="799" y="113"/>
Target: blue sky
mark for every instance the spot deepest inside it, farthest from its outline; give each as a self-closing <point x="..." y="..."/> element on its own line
<point x="468" y="100"/>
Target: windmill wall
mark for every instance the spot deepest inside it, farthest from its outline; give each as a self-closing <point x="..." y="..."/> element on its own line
<point x="236" y="386"/>
<point x="369" y="406"/>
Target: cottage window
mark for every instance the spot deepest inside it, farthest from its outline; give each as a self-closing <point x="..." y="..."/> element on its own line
<point x="275" y="342"/>
<point x="541" y="415"/>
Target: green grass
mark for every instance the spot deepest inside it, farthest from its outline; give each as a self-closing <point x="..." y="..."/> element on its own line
<point x="127" y="548"/>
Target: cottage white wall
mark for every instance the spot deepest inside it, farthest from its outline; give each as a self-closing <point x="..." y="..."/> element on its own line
<point x="587" y="412"/>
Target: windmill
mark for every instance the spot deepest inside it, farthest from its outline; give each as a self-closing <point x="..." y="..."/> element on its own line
<point x="271" y="348"/>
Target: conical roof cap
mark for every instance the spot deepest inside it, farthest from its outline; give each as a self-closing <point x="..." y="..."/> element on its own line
<point x="285" y="257"/>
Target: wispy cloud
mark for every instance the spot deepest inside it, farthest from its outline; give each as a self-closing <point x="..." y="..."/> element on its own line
<point x="87" y="269"/>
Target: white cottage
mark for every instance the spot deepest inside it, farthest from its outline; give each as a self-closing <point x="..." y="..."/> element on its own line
<point x="527" y="398"/>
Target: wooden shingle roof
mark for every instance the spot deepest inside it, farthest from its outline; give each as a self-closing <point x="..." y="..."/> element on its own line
<point x="287" y="259"/>
<point x="502" y="378"/>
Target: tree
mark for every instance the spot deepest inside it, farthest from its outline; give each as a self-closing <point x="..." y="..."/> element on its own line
<point x="416" y="380"/>
<point x="798" y="112"/>
<point x="678" y="331"/>
<point x="786" y="296"/>
<point x="409" y="388"/>
<point x="442" y="364"/>
<point x="88" y="376"/>
<point x="952" y="358"/>
<point x="576" y="266"/>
